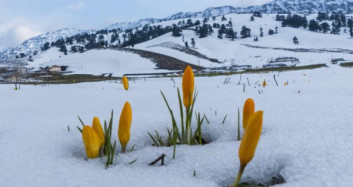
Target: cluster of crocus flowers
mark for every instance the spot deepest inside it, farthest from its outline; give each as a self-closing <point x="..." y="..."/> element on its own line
<point x="125" y="83"/>
<point x="124" y="126"/>
<point x="93" y="138"/>
<point x="97" y="141"/>
<point x="251" y="137"/>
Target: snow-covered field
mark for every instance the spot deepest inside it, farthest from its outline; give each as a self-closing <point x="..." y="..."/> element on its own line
<point x="97" y="62"/>
<point x="307" y="132"/>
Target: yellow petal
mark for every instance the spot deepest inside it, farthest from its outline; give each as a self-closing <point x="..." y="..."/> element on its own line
<point x="96" y="124"/>
<point x="91" y="141"/>
<point x="248" y="110"/>
<point x="188" y="86"/>
<point x="125" y="124"/>
<point x="250" y="138"/>
<point x="125" y="83"/>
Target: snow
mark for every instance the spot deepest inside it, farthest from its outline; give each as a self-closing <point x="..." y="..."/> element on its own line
<point x="235" y="51"/>
<point x="307" y="131"/>
<point x="97" y="62"/>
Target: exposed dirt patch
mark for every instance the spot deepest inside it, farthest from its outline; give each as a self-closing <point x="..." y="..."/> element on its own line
<point x="163" y="61"/>
<point x="189" y="51"/>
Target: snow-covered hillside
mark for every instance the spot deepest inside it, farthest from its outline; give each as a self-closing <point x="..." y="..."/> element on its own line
<point x="247" y="52"/>
<point x="210" y="52"/>
<point x="97" y="62"/>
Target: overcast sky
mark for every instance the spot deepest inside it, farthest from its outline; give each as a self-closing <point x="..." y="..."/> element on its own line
<point x="22" y="19"/>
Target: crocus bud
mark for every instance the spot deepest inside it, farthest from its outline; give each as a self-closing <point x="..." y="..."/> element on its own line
<point x="248" y="110"/>
<point x="188" y="86"/>
<point x="125" y="83"/>
<point x="264" y="83"/>
<point x="91" y="141"/>
<point x="124" y="126"/>
<point x="250" y="138"/>
<point x="96" y="125"/>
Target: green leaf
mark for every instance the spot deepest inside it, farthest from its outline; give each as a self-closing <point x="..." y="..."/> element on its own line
<point x="79" y="129"/>
<point x="133" y="161"/>
<point x="224" y="119"/>
<point x="132" y="148"/>
<point x="83" y="124"/>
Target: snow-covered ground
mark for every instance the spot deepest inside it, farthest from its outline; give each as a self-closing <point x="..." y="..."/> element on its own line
<point x="307" y="132"/>
<point x="97" y="62"/>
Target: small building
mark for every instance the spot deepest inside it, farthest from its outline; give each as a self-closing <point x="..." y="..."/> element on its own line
<point x="55" y="69"/>
<point x="14" y="78"/>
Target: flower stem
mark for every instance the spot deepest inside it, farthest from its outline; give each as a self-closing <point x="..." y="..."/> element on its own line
<point x="123" y="148"/>
<point x="240" y="173"/>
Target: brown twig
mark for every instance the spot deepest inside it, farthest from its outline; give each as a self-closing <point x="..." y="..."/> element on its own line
<point x="158" y="159"/>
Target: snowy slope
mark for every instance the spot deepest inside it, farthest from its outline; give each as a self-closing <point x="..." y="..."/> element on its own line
<point x="97" y="62"/>
<point x="235" y="51"/>
<point x="306" y="138"/>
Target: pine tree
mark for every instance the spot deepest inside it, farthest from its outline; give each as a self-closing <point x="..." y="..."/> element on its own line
<point x="231" y="34"/>
<point x="252" y="18"/>
<point x="350" y="26"/>
<point x="271" y="32"/>
<point x="205" y="20"/>
<point x="245" y="32"/>
<point x="210" y="30"/>
<point x="63" y="49"/>
<point x="45" y="46"/>
<point x="186" y="44"/>
<point x="193" y="42"/>
<point x="176" y="31"/>
<point x="295" y="40"/>
<point x="220" y="34"/>
<point x="314" y="26"/>
<point x="73" y="49"/>
<point x="224" y="18"/>
<point x="203" y="31"/>
<point x="230" y="24"/>
<point x="325" y="27"/>
<point x="261" y="32"/>
<point x="305" y="22"/>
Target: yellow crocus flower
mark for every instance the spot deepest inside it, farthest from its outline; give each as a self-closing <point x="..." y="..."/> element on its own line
<point x="125" y="83"/>
<point x="96" y="125"/>
<point x="264" y="83"/>
<point x="249" y="142"/>
<point x="248" y="110"/>
<point x="188" y="86"/>
<point x="91" y="141"/>
<point x="124" y="126"/>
